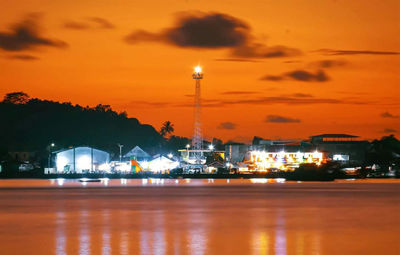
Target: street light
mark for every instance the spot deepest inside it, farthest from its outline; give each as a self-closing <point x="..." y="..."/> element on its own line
<point x="211" y="147"/>
<point x="120" y="152"/>
<point x="170" y="155"/>
<point x="187" y="146"/>
<point x="52" y="145"/>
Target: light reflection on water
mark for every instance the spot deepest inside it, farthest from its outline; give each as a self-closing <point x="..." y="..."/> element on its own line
<point x="106" y="238"/>
<point x="84" y="237"/>
<point x="201" y="217"/>
<point x="60" y="234"/>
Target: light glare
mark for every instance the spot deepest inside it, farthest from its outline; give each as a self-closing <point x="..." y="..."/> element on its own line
<point x="197" y="69"/>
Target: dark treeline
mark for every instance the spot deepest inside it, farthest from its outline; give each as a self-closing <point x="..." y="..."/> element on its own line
<point x="385" y="153"/>
<point x="33" y="124"/>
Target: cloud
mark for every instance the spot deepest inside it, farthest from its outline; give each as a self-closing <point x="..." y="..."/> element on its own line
<point x="238" y="93"/>
<point x="25" y="35"/>
<point x="23" y="57"/>
<point x="76" y="25"/>
<point x="292" y="99"/>
<point x="299" y="75"/>
<point x="280" y="119"/>
<point x="302" y="95"/>
<point x="213" y="31"/>
<point x="274" y="100"/>
<point x="389" y="115"/>
<point x="329" y="63"/>
<point x="257" y="50"/>
<point x="101" y="22"/>
<point x="389" y="130"/>
<point x="356" y="52"/>
<point x="272" y="78"/>
<point x="89" y="23"/>
<point x="291" y="61"/>
<point x="237" y="60"/>
<point x="227" y="125"/>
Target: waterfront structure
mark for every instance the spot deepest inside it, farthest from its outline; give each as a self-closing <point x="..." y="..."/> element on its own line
<point x="344" y="148"/>
<point x="138" y="154"/>
<point x="197" y="141"/>
<point x="266" y="161"/>
<point x="237" y="152"/>
<point x="81" y="160"/>
<point x="160" y="164"/>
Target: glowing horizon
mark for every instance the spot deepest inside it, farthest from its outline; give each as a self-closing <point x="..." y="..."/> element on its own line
<point x="270" y="77"/>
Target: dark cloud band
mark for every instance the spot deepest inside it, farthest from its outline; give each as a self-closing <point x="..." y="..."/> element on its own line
<point x="25" y="36"/>
<point x="213" y="31"/>
<point x="280" y="119"/>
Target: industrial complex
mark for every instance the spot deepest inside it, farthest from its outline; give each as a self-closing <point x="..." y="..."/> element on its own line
<point x="201" y="157"/>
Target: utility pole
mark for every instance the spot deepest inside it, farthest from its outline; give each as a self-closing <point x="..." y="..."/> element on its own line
<point x="49" y="159"/>
<point x="120" y="152"/>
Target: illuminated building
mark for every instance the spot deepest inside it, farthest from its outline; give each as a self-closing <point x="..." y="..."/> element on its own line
<point x="160" y="164"/>
<point x="81" y="160"/>
<point x="268" y="161"/>
<point x="137" y="154"/>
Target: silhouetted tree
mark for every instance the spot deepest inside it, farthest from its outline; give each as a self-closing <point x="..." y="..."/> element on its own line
<point x="167" y="128"/>
<point x="218" y="144"/>
<point x="33" y="125"/>
<point x="103" y="108"/>
<point x="175" y="143"/>
<point x="384" y="152"/>
<point x="16" y="98"/>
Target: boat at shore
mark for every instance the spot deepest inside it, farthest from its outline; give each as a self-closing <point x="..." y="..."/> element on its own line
<point x="89" y="180"/>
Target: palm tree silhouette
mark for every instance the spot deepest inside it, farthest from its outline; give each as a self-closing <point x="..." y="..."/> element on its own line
<point x="167" y="128"/>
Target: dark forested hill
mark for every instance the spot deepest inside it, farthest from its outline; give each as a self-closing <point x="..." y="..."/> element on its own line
<point x="33" y="124"/>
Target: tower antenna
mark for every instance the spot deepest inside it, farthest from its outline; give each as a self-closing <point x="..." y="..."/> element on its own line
<point x="197" y="141"/>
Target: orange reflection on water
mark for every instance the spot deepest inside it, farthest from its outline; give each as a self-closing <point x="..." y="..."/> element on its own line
<point x="280" y="219"/>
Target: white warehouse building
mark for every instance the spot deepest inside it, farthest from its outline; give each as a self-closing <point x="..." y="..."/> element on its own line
<point x="81" y="160"/>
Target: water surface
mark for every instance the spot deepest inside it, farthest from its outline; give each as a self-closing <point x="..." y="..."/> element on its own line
<point x="156" y="216"/>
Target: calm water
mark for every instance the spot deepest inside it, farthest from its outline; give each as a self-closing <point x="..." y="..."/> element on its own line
<point x="199" y="217"/>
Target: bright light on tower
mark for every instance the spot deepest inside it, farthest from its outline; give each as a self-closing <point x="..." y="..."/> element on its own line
<point x="197" y="69"/>
<point x="198" y="73"/>
<point x="197" y="141"/>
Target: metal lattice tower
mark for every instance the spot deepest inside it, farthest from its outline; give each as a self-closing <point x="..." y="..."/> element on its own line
<point x="197" y="142"/>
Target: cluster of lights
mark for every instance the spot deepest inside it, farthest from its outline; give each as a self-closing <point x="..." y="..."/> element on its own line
<point x="197" y="74"/>
<point x="264" y="161"/>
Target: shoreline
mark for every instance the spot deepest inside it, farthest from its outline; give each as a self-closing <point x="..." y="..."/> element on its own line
<point x="284" y="175"/>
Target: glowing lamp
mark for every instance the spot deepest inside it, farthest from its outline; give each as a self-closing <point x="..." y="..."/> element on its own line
<point x="197" y="69"/>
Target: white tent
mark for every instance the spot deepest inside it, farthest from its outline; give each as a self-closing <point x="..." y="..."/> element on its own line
<point x="138" y="154"/>
<point x="161" y="163"/>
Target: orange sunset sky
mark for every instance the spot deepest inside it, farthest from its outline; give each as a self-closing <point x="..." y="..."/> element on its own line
<point x="275" y="69"/>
